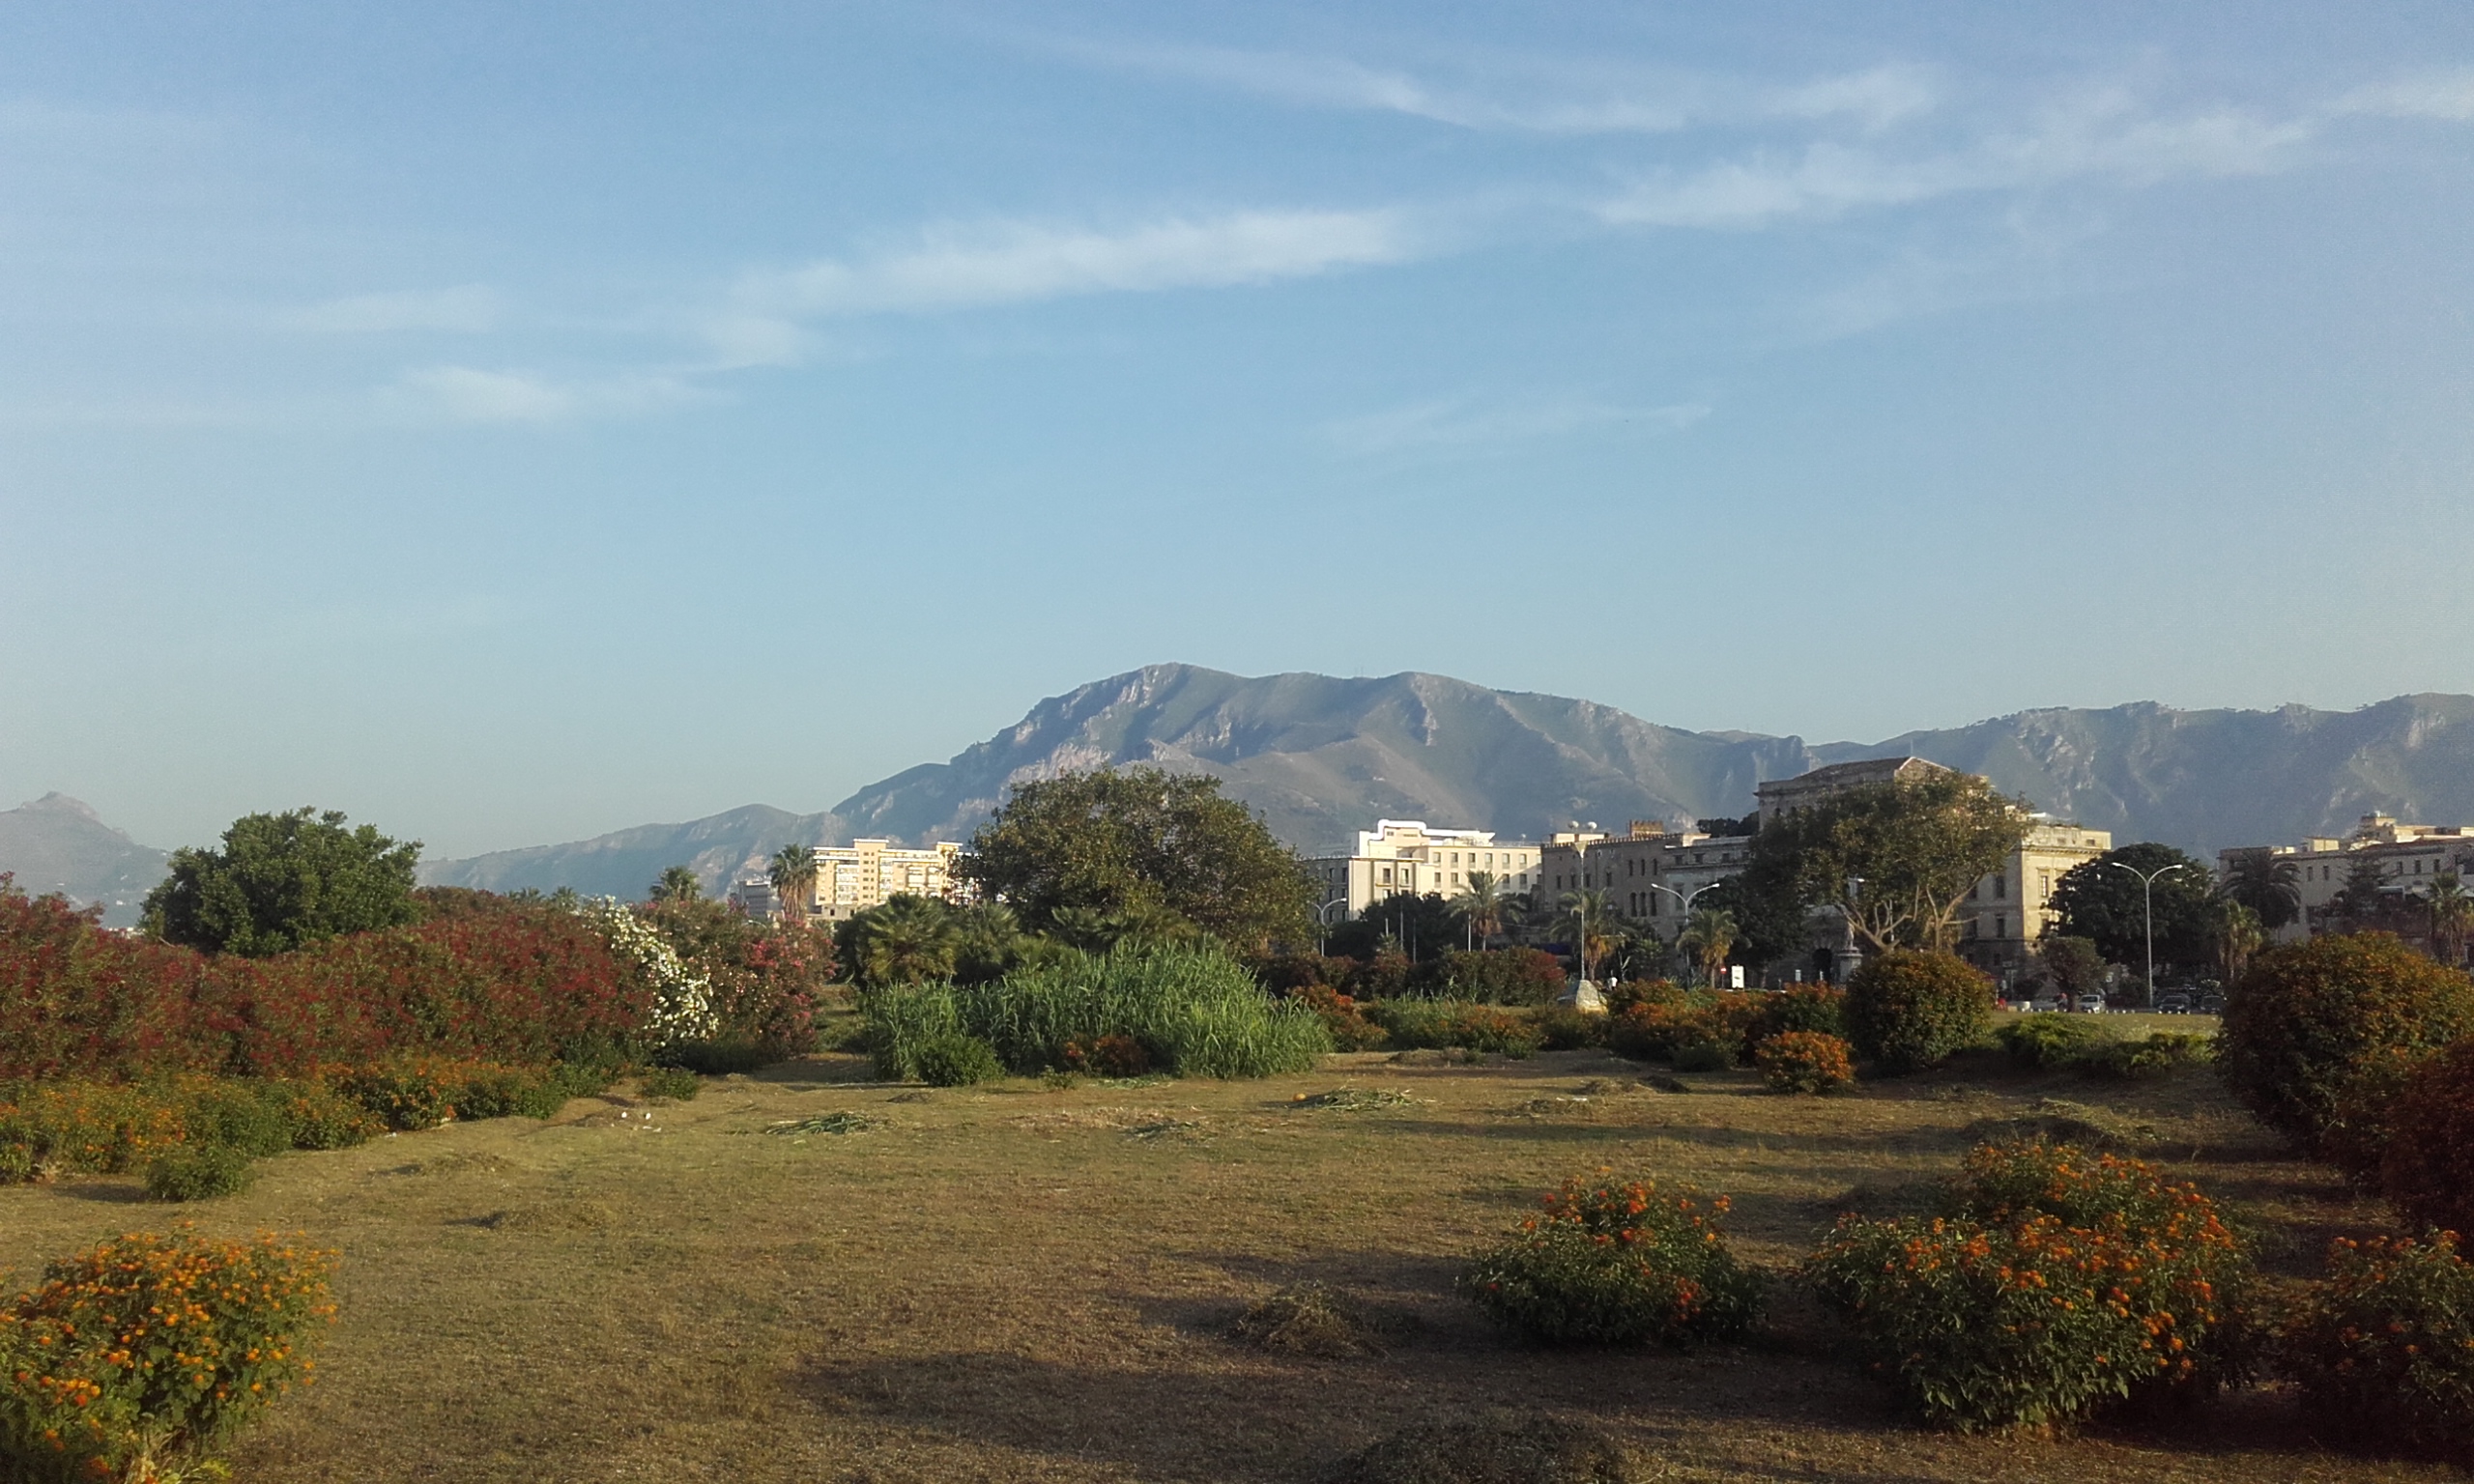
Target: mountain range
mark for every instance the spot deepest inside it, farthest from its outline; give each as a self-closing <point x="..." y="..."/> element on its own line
<point x="1322" y="757"/>
<point x="57" y="844"/>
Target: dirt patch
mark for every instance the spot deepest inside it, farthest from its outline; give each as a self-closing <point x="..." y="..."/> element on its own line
<point x="1536" y="1450"/>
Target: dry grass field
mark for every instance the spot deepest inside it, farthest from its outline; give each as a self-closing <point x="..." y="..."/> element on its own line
<point x="1015" y="1283"/>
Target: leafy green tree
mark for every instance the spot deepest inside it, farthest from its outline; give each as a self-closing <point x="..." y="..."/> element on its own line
<point x="1421" y="926"/>
<point x="1896" y="859"/>
<point x="2451" y="910"/>
<point x="793" y="872"/>
<point x="1141" y="840"/>
<point x="2075" y="965"/>
<point x="2233" y="934"/>
<point x="2361" y="901"/>
<point x="1773" y="926"/>
<point x="1708" y="937"/>
<point x="2101" y="902"/>
<point x="1589" y="916"/>
<point x="906" y="940"/>
<point x="281" y="880"/>
<point x="2267" y="884"/>
<point x="677" y="883"/>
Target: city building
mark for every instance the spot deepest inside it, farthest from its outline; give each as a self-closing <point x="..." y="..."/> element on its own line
<point x="852" y="878"/>
<point x="755" y="897"/>
<point x="1783" y="796"/>
<point x="2004" y="918"/>
<point x="2409" y="857"/>
<point x="1406" y="855"/>
<point x="1648" y="873"/>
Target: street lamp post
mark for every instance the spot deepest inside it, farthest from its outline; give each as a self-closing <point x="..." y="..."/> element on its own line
<point x="1683" y="902"/>
<point x="1322" y="923"/>
<point x="2148" y="901"/>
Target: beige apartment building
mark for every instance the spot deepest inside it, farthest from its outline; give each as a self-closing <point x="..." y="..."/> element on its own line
<point x="861" y="874"/>
<point x="1647" y="874"/>
<point x="2004" y="918"/>
<point x="1406" y="855"/>
<point x="2409" y="857"/>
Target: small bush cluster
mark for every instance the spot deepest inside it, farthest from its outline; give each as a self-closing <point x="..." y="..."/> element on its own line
<point x="956" y="1058"/>
<point x="1806" y="1062"/>
<point x="1617" y="1263"/>
<point x="1107" y="1056"/>
<point x="2319" y="1037"/>
<point x="1819" y="1009"/>
<point x="1908" y="1010"/>
<point x="2085" y="1043"/>
<point x="1510" y="976"/>
<point x="2427" y="1168"/>
<point x="1561" y="1028"/>
<point x="1192" y="1009"/>
<point x="425" y="1092"/>
<point x="1446" y="1024"/>
<point x="1343" y="1019"/>
<point x="1660" y="1021"/>
<point x="148" y="1350"/>
<point x="2054" y="1283"/>
<point x="676" y="1083"/>
<point x="2383" y="1353"/>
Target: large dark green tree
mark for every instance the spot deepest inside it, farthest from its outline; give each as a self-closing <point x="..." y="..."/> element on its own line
<point x="1897" y="859"/>
<point x="278" y="881"/>
<point x="2267" y="884"/>
<point x="1137" y="841"/>
<point x="2101" y="902"/>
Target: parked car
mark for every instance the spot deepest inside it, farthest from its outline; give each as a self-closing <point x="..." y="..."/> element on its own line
<point x="2174" y="1004"/>
<point x="2049" y="1005"/>
<point x="2092" y="1004"/>
<point x="2211" y="1004"/>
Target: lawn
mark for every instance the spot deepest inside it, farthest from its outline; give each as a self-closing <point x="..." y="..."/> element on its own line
<point x="1020" y="1283"/>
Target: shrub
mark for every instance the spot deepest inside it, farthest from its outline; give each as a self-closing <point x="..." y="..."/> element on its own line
<point x="1508" y="976"/>
<point x="718" y="1058"/>
<point x="199" y="1172"/>
<point x="2384" y="1350"/>
<point x="955" y="1059"/>
<point x="1195" y="1010"/>
<point x="2428" y="1166"/>
<point x="316" y="1116"/>
<point x="2054" y="1282"/>
<point x="1609" y="1263"/>
<point x="1705" y="1056"/>
<point x="1908" y="1009"/>
<point x="1564" y="1029"/>
<point x="1442" y="1024"/>
<point x="79" y="1127"/>
<point x="676" y="1083"/>
<point x="95" y="1385"/>
<point x="1808" y="1061"/>
<point x="424" y="1091"/>
<point x="2319" y="1037"/>
<point x="509" y="1092"/>
<point x="1383" y="977"/>
<point x="1290" y="973"/>
<point x="1655" y="1029"/>
<point x="2156" y="1055"/>
<point x="2048" y="1042"/>
<point x="1107" y="1056"/>
<point x="1820" y="1008"/>
<point x="1343" y="1019"/>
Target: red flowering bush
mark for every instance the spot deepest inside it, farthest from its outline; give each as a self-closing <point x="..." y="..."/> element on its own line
<point x="79" y="1001"/>
<point x="1655" y="1028"/>
<point x="2319" y="1037"/>
<point x="1609" y="1263"/>
<point x="147" y="1350"/>
<point x="1820" y="1008"/>
<point x="1908" y="1009"/>
<point x="1806" y="1062"/>
<point x="2428" y="1166"/>
<point x="1342" y="1018"/>
<point x="2055" y="1283"/>
<point x="2384" y="1351"/>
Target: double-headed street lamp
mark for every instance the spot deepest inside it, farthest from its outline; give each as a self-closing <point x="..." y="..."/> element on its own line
<point x="2147" y="899"/>
<point x="1683" y="902"/>
<point x="1322" y="921"/>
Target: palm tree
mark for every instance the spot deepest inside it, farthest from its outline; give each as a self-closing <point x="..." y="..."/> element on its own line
<point x="2234" y="933"/>
<point x="2265" y="882"/>
<point x="793" y="872"/>
<point x="1708" y="937"/>
<point x="1588" y="914"/>
<point x="677" y="883"/>
<point x="1480" y="906"/>
<point x="908" y="940"/>
<point x="2452" y="912"/>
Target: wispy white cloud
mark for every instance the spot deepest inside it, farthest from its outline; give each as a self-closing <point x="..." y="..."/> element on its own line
<point x="470" y="308"/>
<point x="471" y="394"/>
<point x="2102" y="134"/>
<point x="1555" y="95"/>
<point x="2446" y="94"/>
<point x="1467" y="423"/>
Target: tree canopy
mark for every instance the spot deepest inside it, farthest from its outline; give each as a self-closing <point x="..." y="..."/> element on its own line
<point x="281" y="880"/>
<point x="1139" y="840"/>
<point x="1896" y="858"/>
<point x="2102" y="902"/>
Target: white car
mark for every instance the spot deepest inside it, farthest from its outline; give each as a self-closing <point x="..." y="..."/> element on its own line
<point x="2051" y="1005"/>
<point x="2092" y="1004"/>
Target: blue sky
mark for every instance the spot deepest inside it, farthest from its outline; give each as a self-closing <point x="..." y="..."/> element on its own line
<point x="510" y="423"/>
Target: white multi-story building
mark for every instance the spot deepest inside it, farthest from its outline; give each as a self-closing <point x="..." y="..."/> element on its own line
<point x="852" y="878"/>
<point x="1406" y="855"/>
<point x="2410" y="858"/>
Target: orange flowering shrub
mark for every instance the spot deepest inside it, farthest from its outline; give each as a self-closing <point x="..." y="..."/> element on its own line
<point x="148" y="1349"/>
<point x="1655" y="1029"/>
<point x="1342" y="1018"/>
<point x="1442" y="1024"/>
<point x="424" y="1091"/>
<point x="49" y="1129"/>
<point x="2428" y="1166"/>
<point x="1804" y="1062"/>
<point x="2319" y="1037"/>
<point x="1820" y="1008"/>
<point x="1608" y="1264"/>
<point x="2056" y="1283"/>
<point x="2384" y="1353"/>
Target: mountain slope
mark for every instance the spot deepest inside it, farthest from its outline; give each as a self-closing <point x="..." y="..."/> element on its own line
<point x="719" y="848"/>
<point x="57" y="844"/>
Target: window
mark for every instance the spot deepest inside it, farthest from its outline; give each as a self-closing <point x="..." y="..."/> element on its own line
<point x="2000" y="927"/>
<point x="2000" y="887"/>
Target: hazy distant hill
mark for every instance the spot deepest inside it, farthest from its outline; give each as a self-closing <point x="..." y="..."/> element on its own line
<point x="1322" y="756"/>
<point x="57" y="844"/>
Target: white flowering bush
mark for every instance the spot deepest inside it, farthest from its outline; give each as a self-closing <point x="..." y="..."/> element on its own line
<point x="682" y="997"/>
